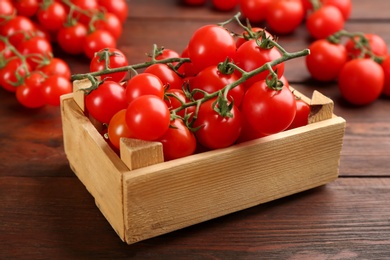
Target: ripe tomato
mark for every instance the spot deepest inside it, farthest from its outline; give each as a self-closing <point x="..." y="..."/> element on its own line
<point x="345" y="6"/>
<point x="7" y="11"/>
<point x="144" y="84"/>
<point x="118" y="7"/>
<point x="215" y="130"/>
<point x="166" y="54"/>
<point x="376" y="43"/>
<point x="250" y="57"/>
<point x="210" y="45"/>
<point x="117" y="128"/>
<point x="54" y="87"/>
<point x="326" y="60"/>
<point x="224" y="5"/>
<point x="71" y="38"/>
<point x="30" y="93"/>
<point x="211" y="80"/>
<point x="302" y="115"/>
<point x="116" y="59"/>
<point x="361" y="81"/>
<point x="258" y="35"/>
<point x="12" y="73"/>
<point x="386" y="69"/>
<point x="178" y="141"/>
<point x="16" y="29"/>
<point x="254" y="10"/>
<point x="26" y="8"/>
<point x="148" y="117"/>
<point x="167" y="76"/>
<point x="52" y="17"/>
<point x="91" y="6"/>
<point x="36" y="49"/>
<point x="174" y="98"/>
<point x="262" y="105"/>
<point x="105" y="101"/>
<point x="324" y="22"/>
<point x="56" y="66"/>
<point x="111" y="23"/>
<point x="284" y="16"/>
<point x="5" y="51"/>
<point x="97" y="40"/>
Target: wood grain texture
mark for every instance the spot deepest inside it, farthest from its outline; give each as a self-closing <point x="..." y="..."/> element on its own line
<point x="46" y="212"/>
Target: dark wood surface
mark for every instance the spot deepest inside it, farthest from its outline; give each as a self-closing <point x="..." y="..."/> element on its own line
<point x="46" y="213"/>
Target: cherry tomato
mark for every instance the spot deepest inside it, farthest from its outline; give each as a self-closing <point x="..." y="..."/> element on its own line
<point x="54" y="87"/>
<point x="56" y="66"/>
<point x="376" y="43"/>
<point x="166" y="54"/>
<point x="91" y="6"/>
<point x="16" y="29"/>
<point x="7" y="11"/>
<point x="324" y="22"/>
<point x="12" y="73"/>
<point x="284" y="16"/>
<point x="254" y="10"/>
<point x="187" y="69"/>
<point x="5" y="51"/>
<point x="118" y="7"/>
<point x="117" y="128"/>
<point x="174" y="98"/>
<point x="302" y="115"/>
<point x="167" y="76"/>
<point x="26" y="8"/>
<point x="326" y="60"/>
<point x="52" y="17"/>
<point x="361" y="81"/>
<point x="215" y="130"/>
<point x="261" y="105"/>
<point x="30" y="93"/>
<point x="36" y="49"/>
<point x="96" y="41"/>
<point x="144" y="84"/>
<point x="386" y="69"/>
<point x="224" y="5"/>
<point x="250" y="57"/>
<point x="148" y="117"/>
<point x="211" y="80"/>
<point x="71" y="38"/>
<point x="345" y="6"/>
<point x="248" y="133"/>
<point x="258" y="35"/>
<point x="111" y="23"/>
<point x="210" y="45"/>
<point x="105" y="101"/>
<point x="178" y="141"/>
<point x="116" y="58"/>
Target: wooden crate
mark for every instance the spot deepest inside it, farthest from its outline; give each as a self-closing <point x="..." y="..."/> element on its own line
<point x="142" y="197"/>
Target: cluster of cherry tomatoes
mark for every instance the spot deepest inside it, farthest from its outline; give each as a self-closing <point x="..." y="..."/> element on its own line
<point x="29" y="27"/>
<point x="197" y="99"/>
<point x="360" y="64"/>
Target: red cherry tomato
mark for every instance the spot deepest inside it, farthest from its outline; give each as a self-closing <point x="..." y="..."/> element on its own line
<point x="386" y="69"/>
<point x="215" y="130"/>
<point x="111" y="23"/>
<point x="26" y="8"/>
<point x="345" y="6"/>
<point x="71" y="38"/>
<point x="30" y="93"/>
<point x="257" y="30"/>
<point x="224" y="5"/>
<point x="324" y="22"/>
<point x="376" y="44"/>
<point x="144" y="84"/>
<point x="105" y="101"/>
<point x="36" y="49"/>
<point x="7" y="11"/>
<point x="210" y="45"/>
<point x="56" y="66"/>
<point x="167" y="76"/>
<point x="52" y="17"/>
<point x="326" y="60"/>
<point x="262" y="105"/>
<point x="90" y="6"/>
<point x="284" y="16"/>
<point x="97" y="40"/>
<point x="17" y="28"/>
<point x="117" y="128"/>
<point x="54" y="87"/>
<point x="116" y="58"/>
<point x="302" y="115"/>
<point x="254" y="10"/>
<point x="175" y="98"/>
<point x="12" y="73"/>
<point x="178" y="141"/>
<point x="148" y="117"/>
<point x="361" y="81"/>
<point x="118" y="7"/>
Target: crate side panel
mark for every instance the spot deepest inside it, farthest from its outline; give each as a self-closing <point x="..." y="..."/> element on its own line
<point x="94" y="163"/>
<point x="166" y="197"/>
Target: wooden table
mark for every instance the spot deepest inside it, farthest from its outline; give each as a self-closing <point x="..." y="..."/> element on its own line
<point x="46" y="213"/>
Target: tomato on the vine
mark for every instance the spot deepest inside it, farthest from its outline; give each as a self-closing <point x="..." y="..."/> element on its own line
<point x="30" y="93"/>
<point x="216" y="131"/>
<point x="71" y="38"/>
<point x="210" y="45"/>
<point x="89" y="6"/>
<point x="254" y="10"/>
<point x="7" y="11"/>
<point x="55" y="66"/>
<point x="324" y="22"/>
<point x="117" y="128"/>
<point x="375" y="43"/>
<point x="326" y="59"/>
<point x="17" y="28"/>
<point x="267" y="110"/>
<point x="26" y="8"/>
<point x="111" y="23"/>
<point x="258" y="31"/>
<point x="54" y="87"/>
<point x="35" y="49"/>
<point x="118" y="7"/>
<point x="167" y="75"/>
<point x="284" y="16"/>
<point x="52" y="17"/>
<point x="302" y="114"/>
<point x="12" y="73"/>
<point x="345" y="6"/>
<point x="175" y="98"/>
<point x="224" y="5"/>
<point x="98" y="40"/>
<point x="178" y="141"/>
<point x="106" y="100"/>
<point x="361" y="81"/>
<point x="148" y="117"/>
<point x="144" y="84"/>
<point x="116" y="59"/>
